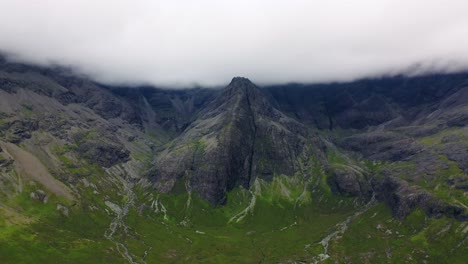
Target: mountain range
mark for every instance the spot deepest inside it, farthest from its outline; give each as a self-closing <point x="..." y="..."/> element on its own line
<point x="369" y="171"/>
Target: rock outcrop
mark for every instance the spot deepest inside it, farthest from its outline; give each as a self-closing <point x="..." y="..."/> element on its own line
<point x="209" y="141"/>
<point x="348" y="181"/>
<point x="404" y="198"/>
<point x="240" y="136"/>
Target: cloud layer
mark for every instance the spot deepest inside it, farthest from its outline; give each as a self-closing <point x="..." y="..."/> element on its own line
<point x="206" y="42"/>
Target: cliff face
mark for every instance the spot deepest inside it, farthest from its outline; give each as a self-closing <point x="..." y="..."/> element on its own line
<point x="240" y="136"/>
<point x="210" y="141"/>
<point x="116" y="173"/>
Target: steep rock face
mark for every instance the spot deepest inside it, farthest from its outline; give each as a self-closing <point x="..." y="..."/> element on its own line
<point x="380" y="145"/>
<point x="105" y="150"/>
<point x="238" y="137"/>
<point x="346" y="180"/>
<point x="413" y="128"/>
<point x="393" y="101"/>
<point x="403" y="199"/>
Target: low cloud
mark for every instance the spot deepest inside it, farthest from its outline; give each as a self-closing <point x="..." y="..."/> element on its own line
<point x="179" y="43"/>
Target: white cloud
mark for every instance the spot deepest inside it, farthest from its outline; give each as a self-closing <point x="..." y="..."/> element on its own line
<point x="206" y="42"/>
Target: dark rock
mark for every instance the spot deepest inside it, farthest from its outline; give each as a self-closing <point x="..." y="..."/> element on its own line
<point x="348" y="181"/>
<point x="425" y="166"/>
<point x="103" y="153"/>
<point x="462" y="186"/>
<point x="8" y="85"/>
<point x="19" y="130"/>
<point x="56" y="125"/>
<point x="240" y="136"/>
<point x="459" y="119"/>
<point x="63" y="209"/>
<point x="39" y="195"/>
<point x="5" y="163"/>
<point x="403" y="199"/>
<point x="457" y="152"/>
<point x="100" y="147"/>
<point x="370" y="112"/>
<point x="68" y="97"/>
<point x="382" y="145"/>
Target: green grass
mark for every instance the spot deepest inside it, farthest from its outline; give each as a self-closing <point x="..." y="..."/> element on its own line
<point x="46" y="236"/>
<point x="277" y="230"/>
<point x="375" y="237"/>
<point x="436" y="139"/>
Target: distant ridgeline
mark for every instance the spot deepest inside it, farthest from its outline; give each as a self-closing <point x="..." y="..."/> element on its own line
<point x="286" y="173"/>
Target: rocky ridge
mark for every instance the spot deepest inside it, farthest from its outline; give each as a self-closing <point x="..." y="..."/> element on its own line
<point x="78" y="148"/>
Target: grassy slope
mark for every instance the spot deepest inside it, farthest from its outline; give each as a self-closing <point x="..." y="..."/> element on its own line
<point x="281" y="227"/>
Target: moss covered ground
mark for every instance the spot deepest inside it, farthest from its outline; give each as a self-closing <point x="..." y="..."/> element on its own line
<point x="282" y="221"/>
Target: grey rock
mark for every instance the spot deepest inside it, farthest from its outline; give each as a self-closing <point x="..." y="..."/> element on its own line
<point x="19" y="130"/>
<point x="457" y="151"/>
<point x="238" y="137"/>
<point x="39" y="195"/>
<point x="382" y="145"/>
<point x="404" y="198"/>
<point x="348" y="181"/>
<point x="62" y="209"/>
<point x="103" y="153"/>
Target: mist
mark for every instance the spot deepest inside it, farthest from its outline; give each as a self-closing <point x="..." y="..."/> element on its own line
<point x="182" y="43"/>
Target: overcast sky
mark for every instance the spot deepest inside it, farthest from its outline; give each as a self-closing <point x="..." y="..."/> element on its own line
<point x="207" y="42"/>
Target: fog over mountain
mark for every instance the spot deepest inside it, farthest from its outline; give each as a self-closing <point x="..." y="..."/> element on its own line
<point x="211" y="131"/>
<point x="206" y="42"/>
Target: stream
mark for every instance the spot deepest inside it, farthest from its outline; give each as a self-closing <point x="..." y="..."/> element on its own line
<point x="342" y="227"/>
<point x="118" y="222"/>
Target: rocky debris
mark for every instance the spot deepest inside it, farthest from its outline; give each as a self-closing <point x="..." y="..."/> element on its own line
<point x="118" y="224"/>
<point x="114" y="207"/>
<point x="404" y="198"/>
<point x="103" y="153"/>
<point x="105" y="150"/>
<point x="19" y="130"/>
<point x="39" y="195"/>
<point x="62" y="209"/>
<point x="56" y="125"/>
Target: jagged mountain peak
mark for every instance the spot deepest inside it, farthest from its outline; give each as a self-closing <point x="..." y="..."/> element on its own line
<point x="402" y="141"/>
<point x="240" y="85"/>
<point x="240" y="82"/>
<point x="237" y="138"/>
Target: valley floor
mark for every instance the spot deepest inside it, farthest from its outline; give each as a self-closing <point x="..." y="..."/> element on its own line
<point x="141" y="226"/>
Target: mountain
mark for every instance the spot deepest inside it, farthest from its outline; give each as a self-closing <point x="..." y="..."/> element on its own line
<point x="238" y="138"/>
<point x="283" y="174"/>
